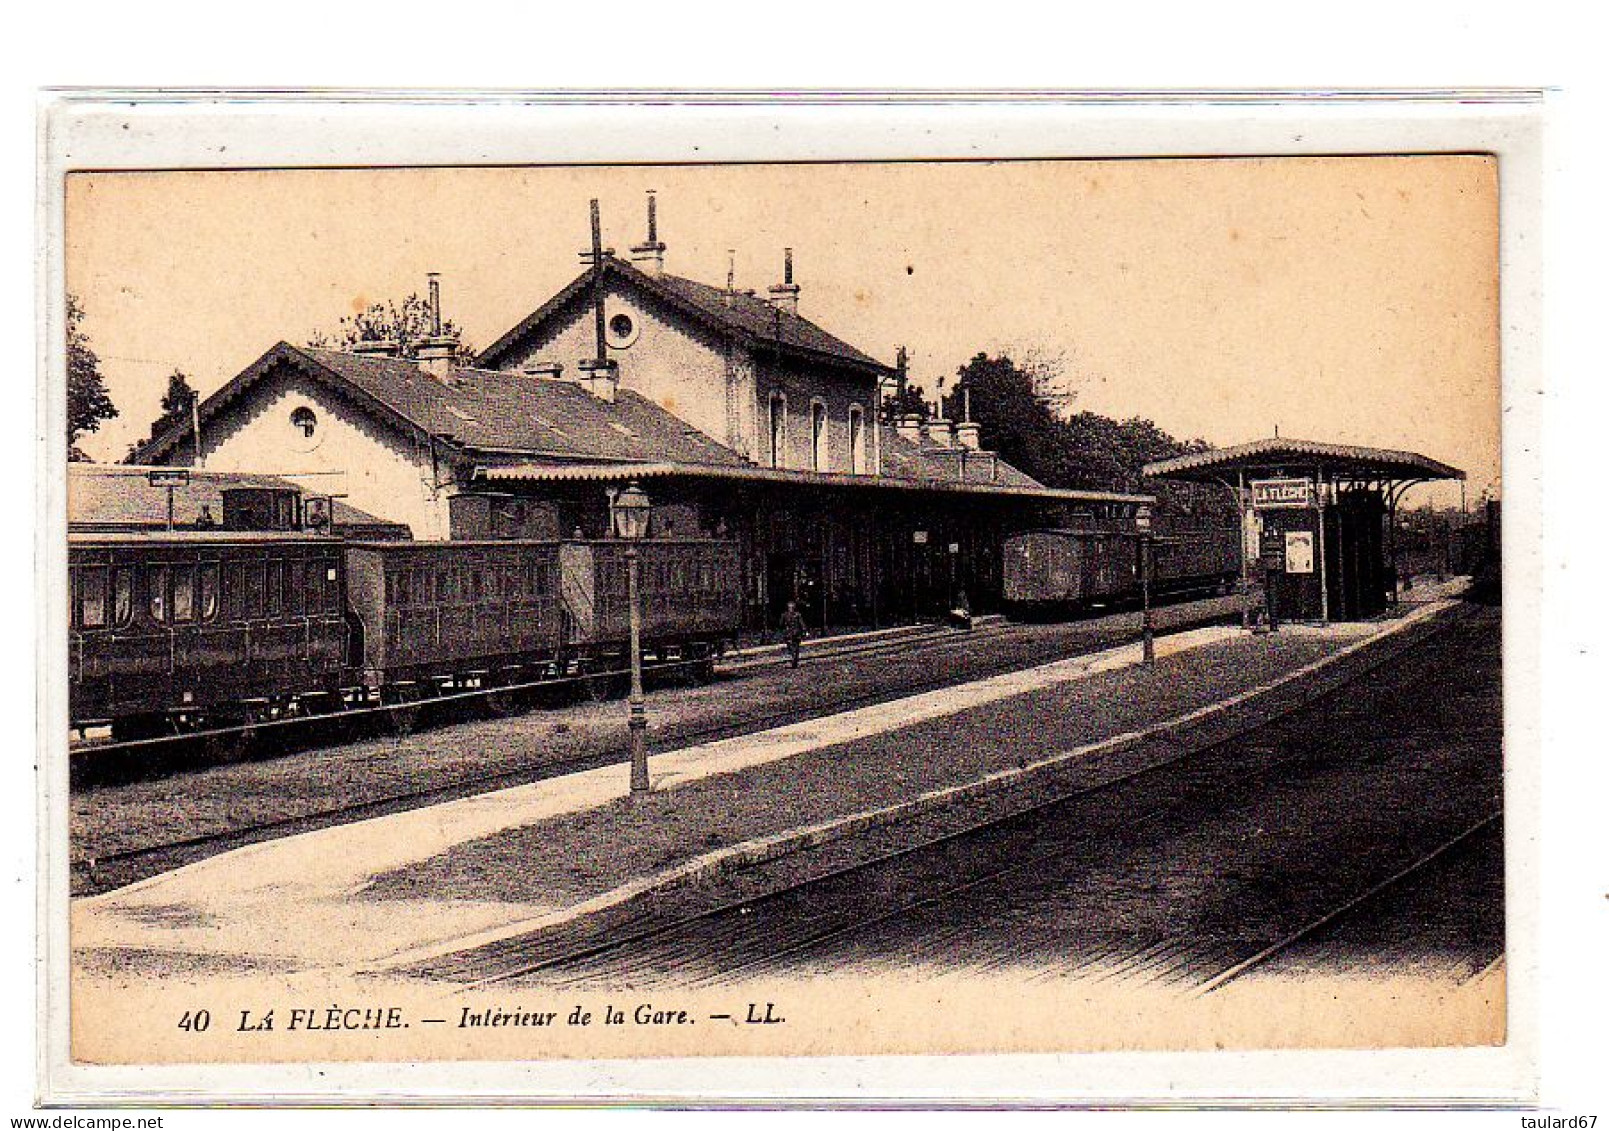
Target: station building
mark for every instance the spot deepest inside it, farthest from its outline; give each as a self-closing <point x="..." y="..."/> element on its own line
<point x="1319" y="519"/>
<point x="736" y="414"/>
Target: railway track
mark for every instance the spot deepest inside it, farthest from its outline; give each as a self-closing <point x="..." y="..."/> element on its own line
<point x="1273" y="951"/>
<point x="744" y="936"/>
<point x="105" y="871"/>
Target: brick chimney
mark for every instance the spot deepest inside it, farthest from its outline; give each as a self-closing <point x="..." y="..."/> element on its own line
<point x="968" y="433"/>
<point x="600" y="378"/>
<point x="385" y="347"/>
<point x="434" y="353"/>
<point x="909" y="427"/>
<point x="649" y="256"/>
<point x="786" y="293"/>
<point x="939" y="431"/>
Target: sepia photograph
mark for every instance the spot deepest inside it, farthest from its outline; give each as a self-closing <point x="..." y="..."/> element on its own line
<point x="552" y="612"/>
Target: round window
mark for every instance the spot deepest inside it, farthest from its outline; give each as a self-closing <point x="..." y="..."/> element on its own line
<point x="623" y="330"/>
<point x="304" y="429"/>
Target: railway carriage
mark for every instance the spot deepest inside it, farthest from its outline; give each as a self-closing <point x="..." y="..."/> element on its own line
<point x="1054" y="571"/>
<point x="166" y="631"/>
<point x="495" y="613"/>
<point x="426" y="609"/>
<point x="688" y="588"/>
<point x="177" y="632"/>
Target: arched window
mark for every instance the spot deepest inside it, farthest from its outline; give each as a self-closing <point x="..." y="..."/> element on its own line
<point x="818" y="436"/>
<point x="305" y="420"/>
<point x="857" y="440"/>
<point x="779" y="428"/>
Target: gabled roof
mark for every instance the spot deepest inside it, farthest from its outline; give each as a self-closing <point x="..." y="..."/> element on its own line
<point x="757" y="323"/>
<point x="1345" y="460"/>
<point x="478" y="410"/>
<point x="120" y="497"/>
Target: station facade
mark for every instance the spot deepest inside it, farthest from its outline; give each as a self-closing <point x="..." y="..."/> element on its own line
<point x="738" y="416"/>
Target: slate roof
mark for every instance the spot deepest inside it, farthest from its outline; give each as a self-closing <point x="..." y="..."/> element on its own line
<point x="512" y="417"/>
<point x="928" y="461"/>
<point x="1341" y="459"/>
<point x="756" y="322"/>
<point x="120" y="497"/>
<point x="482" y="410"/>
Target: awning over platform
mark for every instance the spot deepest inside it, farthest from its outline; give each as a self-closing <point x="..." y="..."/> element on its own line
<point x="620" y="472"/>
<point x="1280" y="455"/>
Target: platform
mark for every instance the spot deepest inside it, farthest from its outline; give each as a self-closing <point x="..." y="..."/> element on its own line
<point x="382" y="893"/>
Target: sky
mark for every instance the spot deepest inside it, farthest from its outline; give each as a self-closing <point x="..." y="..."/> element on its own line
<point x="1352" y="300"/>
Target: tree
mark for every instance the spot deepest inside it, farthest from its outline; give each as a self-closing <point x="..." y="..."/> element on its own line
<point x="88" y="402"/>
<point x="913" y="402"/>
<point x="176" y="403"/>
<point x="1013" y="402"/>
<point x="404" y="324"/>
<point x="1013" y="420"/>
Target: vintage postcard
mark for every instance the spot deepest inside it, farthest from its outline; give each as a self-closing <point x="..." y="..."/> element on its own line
<point x="580" y="612"/>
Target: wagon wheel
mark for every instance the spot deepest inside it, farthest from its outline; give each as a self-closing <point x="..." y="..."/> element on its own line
<point x="402" y="712"/>
<point x="237" y="737"/>
<point x="402" y="718"/>
<point x="503" y="702"/>
<point x="600" y="686"/>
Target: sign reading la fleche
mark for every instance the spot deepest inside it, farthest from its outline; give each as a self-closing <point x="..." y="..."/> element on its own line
<point x="1272" y="494"/>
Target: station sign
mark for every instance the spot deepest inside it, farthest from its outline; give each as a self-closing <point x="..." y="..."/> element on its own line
<point x="1142" y="519"/>
<point x="919" y="537"/>
<point x="169" y="477"/>
<point x="1273" y="494"/>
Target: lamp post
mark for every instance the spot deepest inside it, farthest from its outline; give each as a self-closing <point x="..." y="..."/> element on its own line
<point x="630" y="513"/>
<point x="1142" y="521"/>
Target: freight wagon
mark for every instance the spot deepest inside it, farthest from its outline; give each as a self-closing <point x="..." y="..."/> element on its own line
<point x="1053" y="572"/>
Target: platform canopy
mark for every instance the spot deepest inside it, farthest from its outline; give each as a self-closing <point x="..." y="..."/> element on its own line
<point x="1281" y="456"/>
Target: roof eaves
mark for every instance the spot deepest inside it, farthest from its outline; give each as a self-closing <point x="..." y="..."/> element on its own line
<point x="1379" y="458"/>
<point x="661" y="469"/>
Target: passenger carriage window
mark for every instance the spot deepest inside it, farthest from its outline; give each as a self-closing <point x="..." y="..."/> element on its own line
<point x="254" y="589"/>
<point x="276" y="587"/>
<point x="207" y="576"/>
<point x="123" y="598"/>
<point x="92" y="596"/>
<point x="297" y="591"/>
<point x="233" y="591"/>
<point x="184" y="593"/>
<point x="156" y="587"/>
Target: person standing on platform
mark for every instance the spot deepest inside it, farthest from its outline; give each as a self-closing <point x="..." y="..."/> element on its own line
<point x="793" y="631"/>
